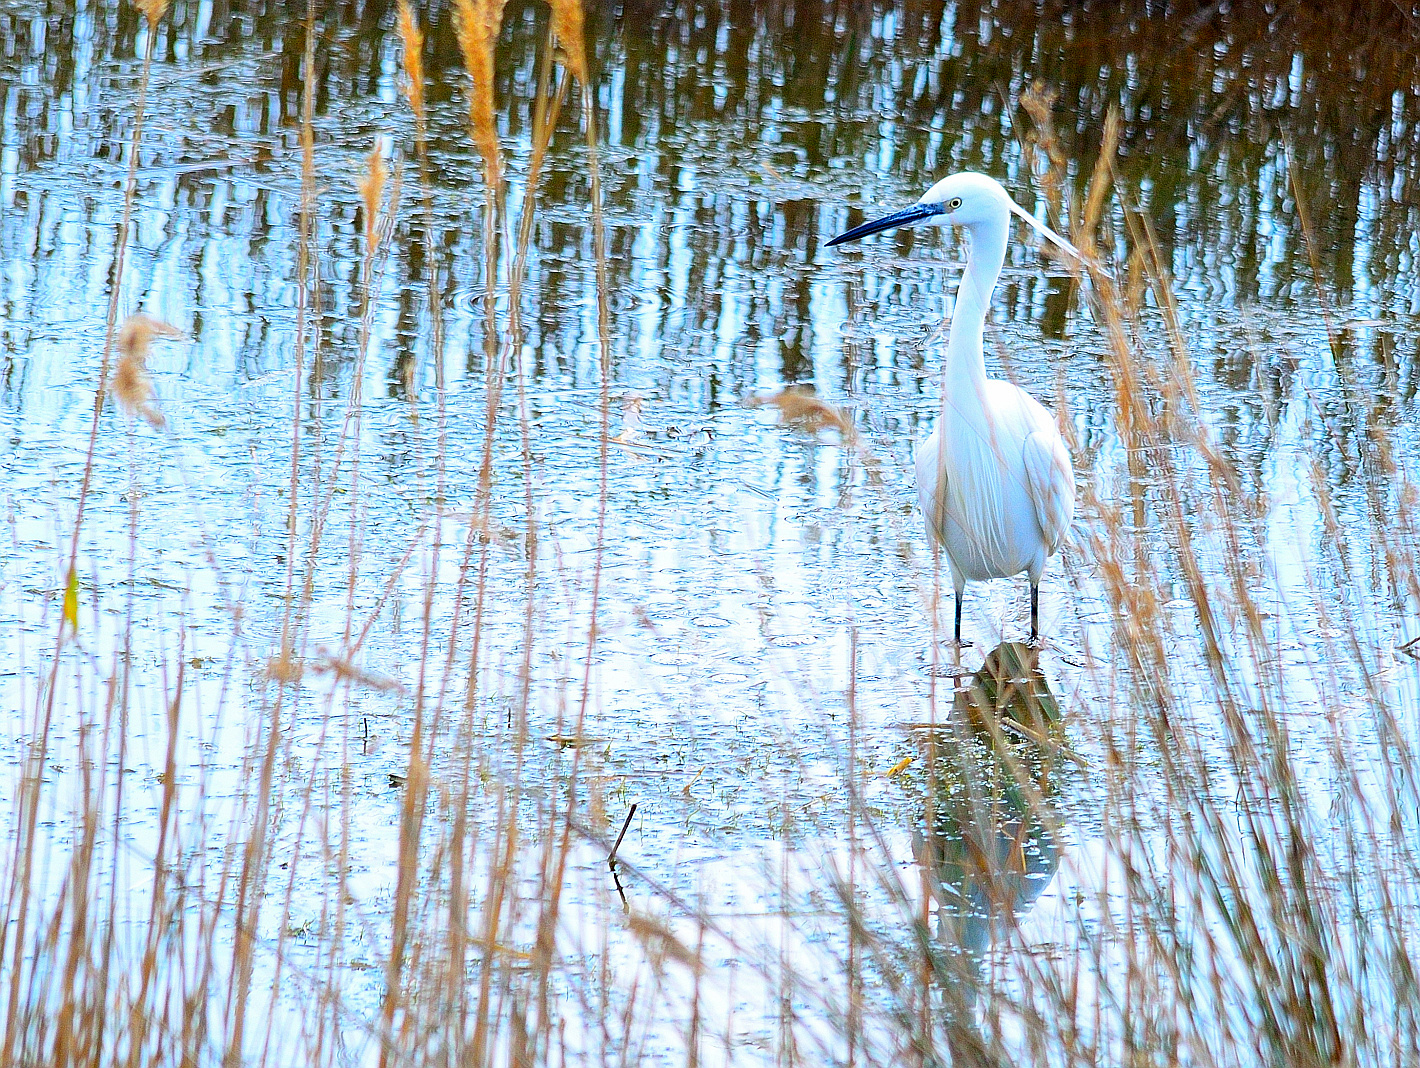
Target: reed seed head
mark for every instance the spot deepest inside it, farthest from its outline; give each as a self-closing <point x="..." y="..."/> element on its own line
<point x="568" y="26"/>
<point x="476" y="24"/>
<point x="153" y="10"/>
<point x="372" y="190"/>
<point x="132" y="386"/>
<point x="413" y="39"/>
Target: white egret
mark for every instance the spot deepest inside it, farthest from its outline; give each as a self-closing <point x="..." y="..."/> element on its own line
<point x="994" y="477"/>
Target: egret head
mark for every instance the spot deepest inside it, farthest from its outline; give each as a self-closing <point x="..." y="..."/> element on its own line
<point x="967" y="199"/>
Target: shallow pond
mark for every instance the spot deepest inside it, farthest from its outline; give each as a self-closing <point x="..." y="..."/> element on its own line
<point x="557" y="531"/>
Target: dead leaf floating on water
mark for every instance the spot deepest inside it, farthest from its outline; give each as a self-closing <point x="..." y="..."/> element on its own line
<point x="572" y="741"/>
<point x="132" y="387"/>
<point x="800" y="406"/>
<point x="901" y="766"/>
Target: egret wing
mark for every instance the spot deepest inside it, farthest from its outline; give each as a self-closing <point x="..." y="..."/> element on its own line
<point x="932" y="485"/>
<point x="1050" y="482"/>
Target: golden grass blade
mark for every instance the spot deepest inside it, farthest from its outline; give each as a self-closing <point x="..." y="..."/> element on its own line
<point x="71" y="601"/>
<point x="371" y="184"/>
<point x="1100" y="180"/>
<point x="1037" y="102"/>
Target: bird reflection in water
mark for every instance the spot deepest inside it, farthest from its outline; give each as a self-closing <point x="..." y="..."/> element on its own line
<point x="989" y="785"/>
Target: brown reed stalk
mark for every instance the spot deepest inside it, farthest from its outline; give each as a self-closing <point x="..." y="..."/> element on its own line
<point x="545" y="114"/>
<point x="417" y="778"/>
<point x="569" y="19"/>
<point x="133" y="340"/>
<point x="251" y="871"/>
<point x="476" y="24"/>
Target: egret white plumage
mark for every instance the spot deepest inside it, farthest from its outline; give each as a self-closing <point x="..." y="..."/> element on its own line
<point x="994" y="478"/>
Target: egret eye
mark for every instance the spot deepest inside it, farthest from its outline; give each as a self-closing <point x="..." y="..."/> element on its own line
<point x="954" y="203"/>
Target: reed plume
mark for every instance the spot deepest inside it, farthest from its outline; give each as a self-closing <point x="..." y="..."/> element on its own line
<point x="412" y="38"/>
<point x="153" y="11"/>
<point x="476" y="24"/>
<point x="132" y="386"/>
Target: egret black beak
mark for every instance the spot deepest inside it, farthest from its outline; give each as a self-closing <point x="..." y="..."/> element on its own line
<point x="906" y="217"/>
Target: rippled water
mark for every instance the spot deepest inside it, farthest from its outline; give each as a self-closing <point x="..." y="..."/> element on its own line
<point x="742" y="558"/>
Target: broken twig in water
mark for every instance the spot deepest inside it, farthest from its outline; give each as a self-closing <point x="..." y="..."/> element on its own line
<point x="611" y="858"/>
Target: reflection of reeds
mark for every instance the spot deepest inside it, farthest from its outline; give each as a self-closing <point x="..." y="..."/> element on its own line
<point x="476" y="23"/>
<point x="1265" y="884"/>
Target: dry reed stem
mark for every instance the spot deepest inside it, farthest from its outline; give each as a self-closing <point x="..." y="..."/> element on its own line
<point x="379" y="224"/>
<point x="1037" y="101"/>
<point x="548" y="918"/>
<point x="500" y="874"/>
<point x="251" y="873"/>
<point x="1099" y="187"/>
<point x="1289" y="887"/>
<point x="477" y="25"/>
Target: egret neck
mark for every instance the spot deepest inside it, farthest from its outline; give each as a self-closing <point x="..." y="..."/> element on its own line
<point x="965" y="361"/>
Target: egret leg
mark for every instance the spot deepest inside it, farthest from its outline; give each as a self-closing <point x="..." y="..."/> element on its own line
<point x="960" y="644"/>
<point x="1034" y="614"/>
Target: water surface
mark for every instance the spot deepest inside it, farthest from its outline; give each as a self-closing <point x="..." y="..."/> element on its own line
<point x="749" y="570"/>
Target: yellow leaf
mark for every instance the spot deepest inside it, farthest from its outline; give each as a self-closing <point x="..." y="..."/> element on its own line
<point x="71" y="600"/>
<point x="901" y="765"/>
